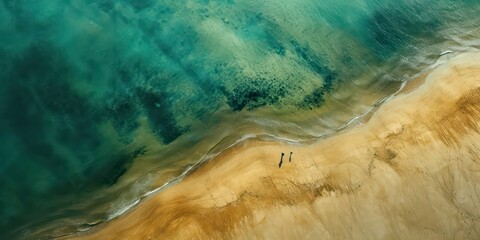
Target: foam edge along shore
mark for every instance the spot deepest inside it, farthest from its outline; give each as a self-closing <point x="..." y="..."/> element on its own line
<point x="409" y="170"/>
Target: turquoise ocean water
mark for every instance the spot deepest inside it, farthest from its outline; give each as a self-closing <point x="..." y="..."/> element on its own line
<point x="103" y="102"/>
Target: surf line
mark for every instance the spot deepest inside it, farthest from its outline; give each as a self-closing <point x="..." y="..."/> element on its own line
<point x="209" y="156"/>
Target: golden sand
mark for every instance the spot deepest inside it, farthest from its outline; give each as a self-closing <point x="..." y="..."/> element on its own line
<point x="411" y="172"/>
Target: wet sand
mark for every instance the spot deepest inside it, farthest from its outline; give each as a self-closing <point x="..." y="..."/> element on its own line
<point x="411" y="172"/>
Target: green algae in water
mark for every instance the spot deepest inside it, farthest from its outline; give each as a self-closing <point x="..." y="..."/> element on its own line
<point x="79" y="79"/>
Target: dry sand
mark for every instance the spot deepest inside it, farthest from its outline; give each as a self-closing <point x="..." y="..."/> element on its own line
<point x="411" y="172"/>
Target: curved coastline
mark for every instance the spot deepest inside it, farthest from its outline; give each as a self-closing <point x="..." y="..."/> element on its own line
<point x="209" y="156"/>
<point x="213" y="152"/>
<point x="98" y="119"/>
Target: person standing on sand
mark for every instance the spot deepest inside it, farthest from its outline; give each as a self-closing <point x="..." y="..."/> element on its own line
<point x="281" y="160"/>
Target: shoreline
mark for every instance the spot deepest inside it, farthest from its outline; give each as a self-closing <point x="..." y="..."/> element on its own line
<point x="224" y="158"/>
<point x="254" y="137"/>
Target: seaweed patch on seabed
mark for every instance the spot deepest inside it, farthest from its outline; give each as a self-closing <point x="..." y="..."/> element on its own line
<point x="123" y="115"/>
<point x="160" y="116"/>
<point x="140" y="5"/>
<point x="317" y="97"/>
<point x="318" y="65"/>
<point x="254" y="93"/>
<point x="119" y="166"/>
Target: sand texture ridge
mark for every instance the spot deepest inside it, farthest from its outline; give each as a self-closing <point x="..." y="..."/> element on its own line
<point x="411" y="172"/>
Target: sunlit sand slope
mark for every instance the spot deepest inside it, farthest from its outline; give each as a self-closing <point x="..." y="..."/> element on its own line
<point x="411" y="172"/>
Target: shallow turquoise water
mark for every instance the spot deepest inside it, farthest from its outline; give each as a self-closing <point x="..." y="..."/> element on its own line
<point x="90" y="86"/>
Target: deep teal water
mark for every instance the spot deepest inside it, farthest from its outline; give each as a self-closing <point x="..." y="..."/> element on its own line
<point x="80" y="79"/>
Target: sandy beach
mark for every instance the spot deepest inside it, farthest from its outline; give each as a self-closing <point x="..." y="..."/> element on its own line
<point x="411" y="172"/>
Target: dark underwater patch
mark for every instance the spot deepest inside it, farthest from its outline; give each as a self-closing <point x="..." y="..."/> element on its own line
<point x="105" y="5"/>
<point x="314" y="99"/>
<point x="140" y="5"/>
<point x="320" y="66"/>
<point x="254" y="93"/>
<point x="157" y="106"/>
<point x="119" y="166"/>
<point x="316" y="63"/>
<point x="124" y="114"/>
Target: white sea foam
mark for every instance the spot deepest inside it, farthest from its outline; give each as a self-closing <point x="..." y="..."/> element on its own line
<point x="123" y="210"/>
<point x="212" y="154"/>
<point x="446" y="52"/>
